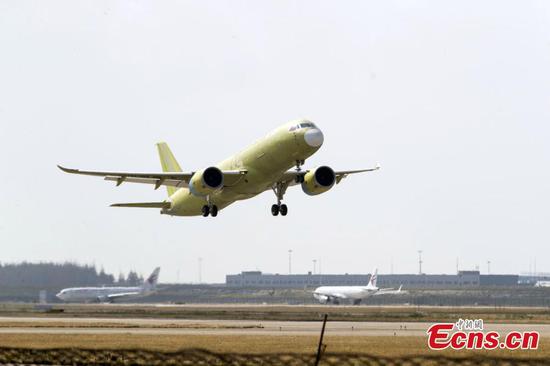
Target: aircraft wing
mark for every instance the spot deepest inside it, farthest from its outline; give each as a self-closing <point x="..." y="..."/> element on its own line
<point x="289" y="177"/>
<point x="384" y="291"/>
<point x="175" y="179"/>
<point x="344" y="173"/>
<point x="390" y="291"/>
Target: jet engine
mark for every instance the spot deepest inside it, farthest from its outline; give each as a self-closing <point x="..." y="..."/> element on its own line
<point x="319" y="180"/>
<point x="206" y="181"/>
<point x="322" y="298"/>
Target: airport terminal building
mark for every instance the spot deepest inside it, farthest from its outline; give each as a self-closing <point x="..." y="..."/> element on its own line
<point x="463" y="279"/>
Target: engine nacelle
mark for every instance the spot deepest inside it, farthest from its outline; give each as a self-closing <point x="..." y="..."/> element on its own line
<point x="206" y="181"/>
<point x="319" y="180"/>
<point x="323" y="299"/>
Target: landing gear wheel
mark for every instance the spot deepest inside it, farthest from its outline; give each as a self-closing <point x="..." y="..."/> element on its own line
<point x="214" y="211"/>
<point x="205" y="210"/>
<point x="279" y="189"/>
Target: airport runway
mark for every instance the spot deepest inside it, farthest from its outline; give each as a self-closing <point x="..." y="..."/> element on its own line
<point x="51" y="325"/>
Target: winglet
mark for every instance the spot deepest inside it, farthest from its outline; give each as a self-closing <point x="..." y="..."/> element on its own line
<point x="67" y="170"/>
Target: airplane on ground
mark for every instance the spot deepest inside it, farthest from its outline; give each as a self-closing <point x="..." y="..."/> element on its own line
<point x="109" y="294"/>
<point x="263" y="166"/>
<point x="335" y="294"/>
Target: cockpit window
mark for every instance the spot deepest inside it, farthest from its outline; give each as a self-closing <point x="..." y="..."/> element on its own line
<point x="302" y="125"/>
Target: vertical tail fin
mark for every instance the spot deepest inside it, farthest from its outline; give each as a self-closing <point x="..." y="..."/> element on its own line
<point x="168" y="163"/>
<point x="151" y="282"/>
<point x="373" y="279"/>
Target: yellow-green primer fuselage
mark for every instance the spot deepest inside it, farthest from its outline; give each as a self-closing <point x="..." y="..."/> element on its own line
<point x="265" y="162"/>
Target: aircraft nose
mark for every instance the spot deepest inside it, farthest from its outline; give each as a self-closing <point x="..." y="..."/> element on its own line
<point x="314" y="137"/>
<point x="59" y="296"/>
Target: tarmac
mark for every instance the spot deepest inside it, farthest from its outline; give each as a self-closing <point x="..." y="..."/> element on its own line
<point x="64" y="325"/>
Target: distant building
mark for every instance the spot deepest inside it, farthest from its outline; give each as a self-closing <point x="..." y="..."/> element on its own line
<point x="533" y="278"/>
<point x="463" y="279"/>
<point x="498" y="280"/>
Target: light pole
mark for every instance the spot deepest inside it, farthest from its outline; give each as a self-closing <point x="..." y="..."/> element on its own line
<point x="290" y="261"/>
<point x="488" y="267"/>
<point x="420" y="262"/>
<point x="200" y="270"/>
<point x="314" y="265"/>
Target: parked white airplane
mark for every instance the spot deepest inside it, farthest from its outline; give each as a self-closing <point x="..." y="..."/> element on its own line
<point x="334" y="294"/>
<point x="109" y="294"/>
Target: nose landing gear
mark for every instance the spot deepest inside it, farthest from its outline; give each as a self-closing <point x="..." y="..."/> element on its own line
<point x="299" y="177"/>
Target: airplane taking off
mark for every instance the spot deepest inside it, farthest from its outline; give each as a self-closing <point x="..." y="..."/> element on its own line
<point x="262" y="166"/>
<point x="109" y="294"/>
<point x="334" y="294"/>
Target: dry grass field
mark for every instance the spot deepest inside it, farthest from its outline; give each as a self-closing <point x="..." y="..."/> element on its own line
<point x="247" y="344"/>
<point x="125" y="346"/>
<point x="131" y="349"/>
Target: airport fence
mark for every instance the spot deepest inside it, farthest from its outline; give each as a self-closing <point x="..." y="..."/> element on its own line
<point x="72" y="356"/>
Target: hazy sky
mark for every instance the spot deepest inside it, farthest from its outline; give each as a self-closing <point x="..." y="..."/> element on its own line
<point x="451" y="97"/>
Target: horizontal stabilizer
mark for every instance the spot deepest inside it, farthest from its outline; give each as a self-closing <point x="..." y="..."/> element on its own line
<point x="143" y="204"/>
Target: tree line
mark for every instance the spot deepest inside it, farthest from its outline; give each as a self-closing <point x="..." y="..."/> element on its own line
<point x="68" y="274"/>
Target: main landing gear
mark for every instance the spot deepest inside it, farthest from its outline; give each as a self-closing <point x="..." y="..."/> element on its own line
<point x="209" y="209"/>
<point x="279" y="209"/>
<point x="279" y="189"/>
